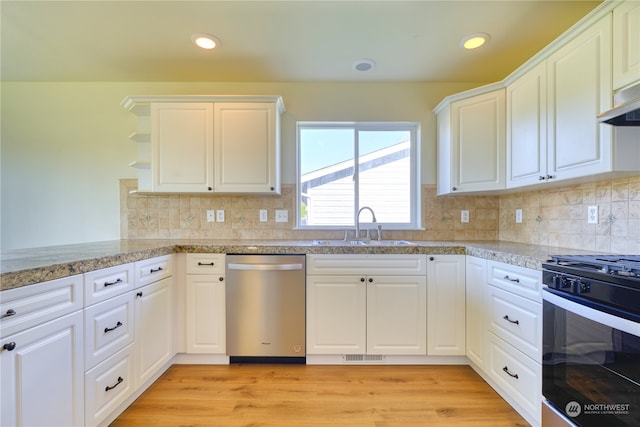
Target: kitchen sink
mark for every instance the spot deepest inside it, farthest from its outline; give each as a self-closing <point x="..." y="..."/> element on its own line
<point x="363" y="243"/>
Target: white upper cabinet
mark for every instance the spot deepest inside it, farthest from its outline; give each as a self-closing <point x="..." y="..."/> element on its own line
<point x="182" y="147"/>
<point x="247" y="155"/>
<point x="205" y="144"/>
<point x="527" y="128"/>
<point x="578" y="88"/>
<point x="626" y="44"/>
<point x="471" y="144"/>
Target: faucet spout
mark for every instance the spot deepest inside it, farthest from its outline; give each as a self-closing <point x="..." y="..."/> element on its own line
<point x="358" y="219"/>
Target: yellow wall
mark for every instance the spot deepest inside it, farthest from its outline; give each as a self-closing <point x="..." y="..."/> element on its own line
<point x="65" y="146"/>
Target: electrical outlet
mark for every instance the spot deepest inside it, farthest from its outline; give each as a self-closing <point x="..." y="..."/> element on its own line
<point x="220" y="216"/>
<point x="282" y="215"/>
<point x="211" y="216"/>
<point x="592" y="214"/>
<point x="263" y="215"/>
<point x="464" y="216"/>
<point x="518" y="216"/>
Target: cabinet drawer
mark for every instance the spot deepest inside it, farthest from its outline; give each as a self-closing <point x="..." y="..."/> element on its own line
<point x="100" y="285"/>
<point x="108" y="328"/>
<point x="397" y="265"/>
<point x="108" y="385"/>
<point x="205" y="263"/>
<point x="31" y="305"/>
<point x="519" y="376"/>
<point x="153" y="269"/>
<point x="522" y="281"/>
<point x="516" y="320"/>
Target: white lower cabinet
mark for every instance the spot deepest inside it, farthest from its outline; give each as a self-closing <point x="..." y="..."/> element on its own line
<point x="154" y="328"/>
<point x="108" y="385"/>
<point x="381" y="310"/>
<point x="42" y="375"/>
<point x="511" y="327"/>
<point x="477" y="310"/>
<point x="446" y="305"/>
<point x="205" y="306"/>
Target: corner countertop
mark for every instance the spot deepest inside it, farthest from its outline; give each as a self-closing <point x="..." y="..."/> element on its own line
<point x="27" y="266"/>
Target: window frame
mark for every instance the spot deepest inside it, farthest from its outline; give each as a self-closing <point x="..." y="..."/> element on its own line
<point x="413" y="128"/>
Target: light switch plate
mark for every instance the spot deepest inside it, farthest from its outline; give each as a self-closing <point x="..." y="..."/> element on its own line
<point x="282" y="215"/>
<point x="464" y="216"/>
<point x="518" y="216"/>
<point x="211" y="216"/>
<point x="220" y="216"/>
<point x="263" y="215"/>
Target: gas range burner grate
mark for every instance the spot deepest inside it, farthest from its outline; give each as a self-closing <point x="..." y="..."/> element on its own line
<point x="619" y="265"/>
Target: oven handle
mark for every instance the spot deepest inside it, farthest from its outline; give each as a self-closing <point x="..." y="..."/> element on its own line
<point x="598" y="316"/>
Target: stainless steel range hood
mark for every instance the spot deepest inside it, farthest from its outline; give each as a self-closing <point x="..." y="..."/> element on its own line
<point x="626" y="108"/>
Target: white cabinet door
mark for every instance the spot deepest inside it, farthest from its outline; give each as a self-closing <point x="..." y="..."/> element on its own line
<point x="626" y="44"/>
<point x="247" y="148"/>
<point x="579" y="87"/>
<point x="476" y="307"/>
<point x="336" y="315"/>
<point x="527" y="128"/>
<point x="182" y="147"/>
<point x="446" y="305"/>
<point x="397" y="315"/>
<point x="477" y="160"/>
<point x="42" y="375"/>
<point x="205" y="312"/>
<point x="154" y="328"/>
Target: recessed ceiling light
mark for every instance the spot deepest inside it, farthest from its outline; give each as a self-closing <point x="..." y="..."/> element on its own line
<point x="474" y="41"/>
<point x="364" y="65"/>
<point x="205" y="41"/>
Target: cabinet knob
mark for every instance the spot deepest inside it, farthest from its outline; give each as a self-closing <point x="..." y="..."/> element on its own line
<point x="454" y="189"/>
<point x="221" y="279"/>
<point x="431" y="258"/>
<point x="370" y="279"/>
<point x="362" y="279"/>
<point x="139" y="294"/>
<point x="210" y="188"/>
<point x="9" y="346"/>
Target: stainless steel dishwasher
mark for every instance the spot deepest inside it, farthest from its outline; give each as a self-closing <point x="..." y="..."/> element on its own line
<point x="265" y="304"/>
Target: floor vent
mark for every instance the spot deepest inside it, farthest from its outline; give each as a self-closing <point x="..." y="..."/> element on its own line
<point x="363" y="358"/>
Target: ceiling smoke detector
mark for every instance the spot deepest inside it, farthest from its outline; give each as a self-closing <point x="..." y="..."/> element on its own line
<point x="364" y="65"/>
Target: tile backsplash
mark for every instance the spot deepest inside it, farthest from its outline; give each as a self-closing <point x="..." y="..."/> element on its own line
<point x="553" y="217"/>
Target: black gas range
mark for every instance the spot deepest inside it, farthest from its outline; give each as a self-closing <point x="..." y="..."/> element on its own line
<point x="610" y="281"/>
<point x="591" y="341"/>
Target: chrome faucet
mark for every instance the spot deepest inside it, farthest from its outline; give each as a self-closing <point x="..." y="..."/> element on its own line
<point x="358" y="219"/>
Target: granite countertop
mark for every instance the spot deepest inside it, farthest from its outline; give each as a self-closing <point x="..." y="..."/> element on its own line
<point x="27" y="266"/>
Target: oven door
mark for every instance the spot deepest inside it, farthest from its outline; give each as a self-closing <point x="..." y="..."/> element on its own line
<point x="590" y="362"/>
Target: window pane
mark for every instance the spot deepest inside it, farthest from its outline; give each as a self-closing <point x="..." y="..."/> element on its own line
<point x="385" y="174"/>
<point x="326" y="181"/>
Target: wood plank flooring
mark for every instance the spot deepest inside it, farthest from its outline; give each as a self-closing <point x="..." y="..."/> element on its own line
<point x="310" y="396"/>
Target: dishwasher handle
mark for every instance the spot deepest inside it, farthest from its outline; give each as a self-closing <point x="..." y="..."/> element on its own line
<point x="265" y="267"/>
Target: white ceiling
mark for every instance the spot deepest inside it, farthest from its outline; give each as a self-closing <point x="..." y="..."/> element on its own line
<point x="275" y="41"/>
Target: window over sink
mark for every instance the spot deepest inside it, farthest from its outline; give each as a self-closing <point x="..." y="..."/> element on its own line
<point x="345" y="166"/>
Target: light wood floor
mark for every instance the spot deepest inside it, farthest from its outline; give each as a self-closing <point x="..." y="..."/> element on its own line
<point x="308" y="396"/>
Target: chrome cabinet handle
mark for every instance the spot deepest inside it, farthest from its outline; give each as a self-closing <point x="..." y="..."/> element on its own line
<point x="115" y="282"/>
<point x="506" y="369"/>
<point x="516" y="280"/>
<point x="9" y="313"/>
<point x="515" y="322"/>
